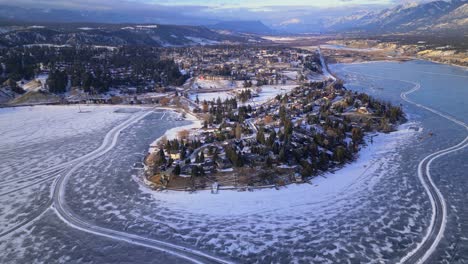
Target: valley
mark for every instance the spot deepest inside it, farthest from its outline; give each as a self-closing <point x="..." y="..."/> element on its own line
<point x="241" y="132"/>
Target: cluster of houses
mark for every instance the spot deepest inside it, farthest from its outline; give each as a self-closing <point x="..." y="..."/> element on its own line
<point x="297" y="135"/>
<point x="242" y="63"/>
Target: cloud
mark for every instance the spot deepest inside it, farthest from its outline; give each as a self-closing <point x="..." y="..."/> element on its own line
<point x="205" y="12"/>
<point x="260" y="5"/>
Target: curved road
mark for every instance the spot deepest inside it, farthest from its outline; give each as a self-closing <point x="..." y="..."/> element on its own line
<point x="435" y="232"/>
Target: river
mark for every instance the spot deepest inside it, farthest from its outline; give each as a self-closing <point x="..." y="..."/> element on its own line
<point x="444" y="88"/>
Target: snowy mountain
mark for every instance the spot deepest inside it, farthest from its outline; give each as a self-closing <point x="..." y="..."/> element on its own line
<point x="255" y="27"/>
<point x="411" y="17"/>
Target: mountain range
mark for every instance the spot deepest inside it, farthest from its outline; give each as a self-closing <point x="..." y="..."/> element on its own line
<point x="436" y="16"/>
<point x="19" y="25"/>
<point x="248" y="26"/>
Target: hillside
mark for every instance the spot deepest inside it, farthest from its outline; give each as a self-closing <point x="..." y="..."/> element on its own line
<point x="113" y="35"/>
<point x="35" y="97"/>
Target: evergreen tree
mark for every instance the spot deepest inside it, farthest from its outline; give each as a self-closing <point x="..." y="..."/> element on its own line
<point x="238" y="131"/>
<point x="176" y="170"/>
<point x="261" y="136"/>
<point x="271" y="139"/>
<point x="340" y="154"/>
<point x="282" y="155"/>
<point x="161" y="157"/>
<point x="57" y="81"/>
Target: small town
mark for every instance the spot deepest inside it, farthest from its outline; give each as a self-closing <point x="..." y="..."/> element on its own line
<point x="233" y="131"/>
<point x="269" y="115"/>
<point x="308" y="125"/>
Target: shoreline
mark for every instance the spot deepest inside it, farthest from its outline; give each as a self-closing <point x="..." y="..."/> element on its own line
<point x="319" y="188"/>
<point x="402" y="61"/>
<point x="443" y="63"/>
<point x="195" y="123"/>
<point x="394" y="59"/>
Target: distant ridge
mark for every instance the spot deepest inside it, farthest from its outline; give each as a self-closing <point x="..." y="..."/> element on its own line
<point x="254" y="27"/>
<point x="12" y="34"/>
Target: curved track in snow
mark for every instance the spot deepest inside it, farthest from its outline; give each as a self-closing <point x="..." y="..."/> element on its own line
<point x="71" y="219"/>
<point x="64" y="171"/>
<point x="435" y="232"/>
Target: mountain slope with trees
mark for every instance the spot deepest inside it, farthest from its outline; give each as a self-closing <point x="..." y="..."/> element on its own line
<point x="113" y="35"/>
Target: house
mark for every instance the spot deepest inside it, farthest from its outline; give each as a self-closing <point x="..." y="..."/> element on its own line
<point x="363" y="110"/>
<point x="175" y="156"/>
<point x="298" y="177"/>
<point x="208" y="166"/>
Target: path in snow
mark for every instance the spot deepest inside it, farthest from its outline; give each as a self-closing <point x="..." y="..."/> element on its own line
<point x="435" y="232"/>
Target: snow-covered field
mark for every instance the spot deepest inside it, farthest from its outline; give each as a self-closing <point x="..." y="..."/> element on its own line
<point x="201" y="83"/>
<point x="291" y="74"/>
<point x="271" y="91"/>
<point x="267" y="92"/>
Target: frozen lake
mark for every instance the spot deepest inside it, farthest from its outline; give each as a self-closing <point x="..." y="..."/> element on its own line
<point x="374" y="210"/>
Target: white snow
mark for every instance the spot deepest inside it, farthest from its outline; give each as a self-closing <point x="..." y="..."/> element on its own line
<point x="201" y="83"/>
<point x="110" y="48"/>
<point x="41" y="123"/>
<point x="271" y="91"/>
<point x="291" y="74"/>
<point x="47" y="45"/>
<point x="341" y="47"/>
<point x="202" y="41"/>
<point x="267" y="92"/>
<point x="172" y="133"/>
<point x="147" y="26"/>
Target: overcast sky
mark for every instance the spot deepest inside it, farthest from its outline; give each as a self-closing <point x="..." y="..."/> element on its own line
<point x="214" y="4"/>
<point x="264" y="3"/>
<point x="271" y="12"/>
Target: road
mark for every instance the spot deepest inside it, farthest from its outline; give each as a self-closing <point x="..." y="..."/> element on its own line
<point x="424" y="249"/>
<point x="325" y="70"/>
